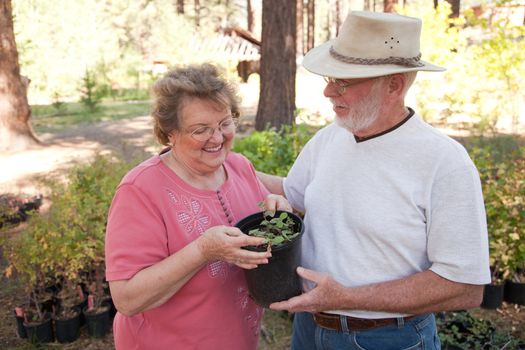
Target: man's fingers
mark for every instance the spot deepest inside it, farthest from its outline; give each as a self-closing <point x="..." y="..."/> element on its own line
<point x="307" y="274"/>
<point x="291" y="304"/>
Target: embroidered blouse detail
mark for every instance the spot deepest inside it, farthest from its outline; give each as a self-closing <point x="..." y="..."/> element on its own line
<point x="227" y="211"/>
<point x="191" y="218"/>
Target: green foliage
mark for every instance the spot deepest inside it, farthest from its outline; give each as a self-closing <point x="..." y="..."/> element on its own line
<point x="66" y="246"/>
<point x="462" y="330"/>
<point x="90" y="91"/>
<point x="275" y="230"/>
<point x="274" y="152"/>
<point x="485" y="61"/>
<point x="503" y="182"/>
<point x="119" y="39"/>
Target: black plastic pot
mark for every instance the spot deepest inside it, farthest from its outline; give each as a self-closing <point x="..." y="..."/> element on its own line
<point x="514" y="293"/>
<point x="68" y="330"/>
<point x="108" y="301"/>
<point x="80" y="307"/>
<point x="98" y="322"/>
<point x="40" y="332"/>
<point x="492" y="296"/>
<point x="20" y="329"/>
<point x="277" y="280"/>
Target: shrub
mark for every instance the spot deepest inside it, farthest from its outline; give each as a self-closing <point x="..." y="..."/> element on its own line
<point x="91" y="92"/>
<point x="67" y="245"/>
<point x="461" y="330"/>
<point x="503" y="183"/>
<point x="272" y="151"/>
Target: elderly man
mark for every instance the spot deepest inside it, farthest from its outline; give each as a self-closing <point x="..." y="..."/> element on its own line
<point x="394" y="214"/>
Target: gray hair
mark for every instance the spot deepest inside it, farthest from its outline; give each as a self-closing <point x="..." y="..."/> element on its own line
<point x="183" y="83"/>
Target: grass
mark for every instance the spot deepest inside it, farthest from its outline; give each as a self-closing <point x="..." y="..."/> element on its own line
<point x="50" y="118"/>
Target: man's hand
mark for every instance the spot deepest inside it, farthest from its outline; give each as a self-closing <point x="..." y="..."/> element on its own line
<point x="275" y="202"/>
<point x="326" y="294"/>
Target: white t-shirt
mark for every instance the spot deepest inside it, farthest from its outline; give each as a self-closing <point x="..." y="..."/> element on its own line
<point x="388" y="207"/>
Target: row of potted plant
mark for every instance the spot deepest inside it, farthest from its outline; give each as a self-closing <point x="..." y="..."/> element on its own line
<point x="503" y="181"/>
<point x="62" y="249"/>
<point x="59" y="312"/>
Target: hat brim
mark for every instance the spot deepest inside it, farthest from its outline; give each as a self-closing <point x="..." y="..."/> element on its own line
<point x="319" y="61"/>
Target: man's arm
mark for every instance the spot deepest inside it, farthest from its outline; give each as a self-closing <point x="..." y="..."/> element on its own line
<point x="273" y="183"/>
<point x="420" y="293"/>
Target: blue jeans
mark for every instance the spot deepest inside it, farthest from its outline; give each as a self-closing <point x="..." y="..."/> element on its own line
<point x="417" y="333"/>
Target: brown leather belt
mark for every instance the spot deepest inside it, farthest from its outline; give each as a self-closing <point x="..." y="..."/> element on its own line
<point x="333" y="322"/>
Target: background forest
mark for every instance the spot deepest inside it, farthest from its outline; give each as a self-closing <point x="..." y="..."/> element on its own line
<point x="115" y="49"/>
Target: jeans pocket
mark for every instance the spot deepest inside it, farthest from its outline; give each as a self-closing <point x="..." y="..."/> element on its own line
<point x="389" y="338"/>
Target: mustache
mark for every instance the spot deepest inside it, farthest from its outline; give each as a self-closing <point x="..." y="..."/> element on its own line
<point x="333" y="102"/>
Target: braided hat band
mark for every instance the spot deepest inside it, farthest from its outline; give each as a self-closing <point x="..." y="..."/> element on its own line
<point x="402" y="61"/>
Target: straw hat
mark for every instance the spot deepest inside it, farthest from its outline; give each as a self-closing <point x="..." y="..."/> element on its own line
<point x="370" y="44"/>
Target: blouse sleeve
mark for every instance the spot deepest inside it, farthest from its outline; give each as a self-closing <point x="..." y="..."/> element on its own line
<point x="135" y="234"/>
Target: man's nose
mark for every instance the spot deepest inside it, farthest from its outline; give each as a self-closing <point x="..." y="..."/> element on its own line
<point x="331" y="90"/>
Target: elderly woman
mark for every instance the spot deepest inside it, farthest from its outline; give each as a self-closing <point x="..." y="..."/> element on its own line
<point x="173" y="258"/>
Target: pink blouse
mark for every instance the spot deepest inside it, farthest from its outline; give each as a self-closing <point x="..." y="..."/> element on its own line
<point x="154" y="214"/>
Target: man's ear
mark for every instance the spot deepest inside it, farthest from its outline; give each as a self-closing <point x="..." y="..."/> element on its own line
<point x="396" y="84"/>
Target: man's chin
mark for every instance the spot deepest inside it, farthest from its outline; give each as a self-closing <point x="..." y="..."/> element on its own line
<point x="343" y="123"/>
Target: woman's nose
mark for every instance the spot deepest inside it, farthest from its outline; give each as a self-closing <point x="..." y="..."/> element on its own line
<point x="217" y="135"/>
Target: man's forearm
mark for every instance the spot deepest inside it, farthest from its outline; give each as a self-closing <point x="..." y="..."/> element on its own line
<point x="418" y="294"/>
<point x="273" y="183"/>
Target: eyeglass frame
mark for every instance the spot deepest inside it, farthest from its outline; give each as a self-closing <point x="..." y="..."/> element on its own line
<point x="210" y="131"/>
<point x="343" y="84"/>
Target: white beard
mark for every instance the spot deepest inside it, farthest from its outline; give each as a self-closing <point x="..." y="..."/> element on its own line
<point x="362" y="114"/>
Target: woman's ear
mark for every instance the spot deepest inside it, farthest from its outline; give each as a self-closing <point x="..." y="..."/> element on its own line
<point x="172" y="138"/>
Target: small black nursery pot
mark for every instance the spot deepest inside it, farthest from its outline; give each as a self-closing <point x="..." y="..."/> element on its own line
<point x="492" y="296"/>
<point x="98" y="321"/>
<point x="277" y="280"/>
<point x="68" y="329"/>
<point x="514" y="293"/>
<point x="41" y="331"/>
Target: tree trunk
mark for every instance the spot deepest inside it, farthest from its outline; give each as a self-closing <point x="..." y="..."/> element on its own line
<point x="180" y="7"/>
<point x="250" y="16"/>
<point x="310" y="30"/>
<point x="337" y="16"/>
<point x="197" y="8"/>
<point x="15" y="129"/>
<point x="454" y="5"/>
<point x="388" y="5"/>
<point x="436" y="2"/>
<point x="277" y="98"/>
<point x="299" y="25"/>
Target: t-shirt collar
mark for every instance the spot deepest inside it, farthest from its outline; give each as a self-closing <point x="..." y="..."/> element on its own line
<point x="366" y="138"/>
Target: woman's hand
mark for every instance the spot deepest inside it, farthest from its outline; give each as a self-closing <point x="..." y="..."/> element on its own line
<point x="275" y="202"/>
<point x="224" y="243"/>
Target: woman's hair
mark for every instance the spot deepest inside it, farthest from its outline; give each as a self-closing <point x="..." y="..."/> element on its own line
<point x="183" y="83"/>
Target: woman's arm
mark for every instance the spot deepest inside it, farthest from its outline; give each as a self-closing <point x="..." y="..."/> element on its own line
<point x="273" y="183"/>
<point x="154" y="285"/>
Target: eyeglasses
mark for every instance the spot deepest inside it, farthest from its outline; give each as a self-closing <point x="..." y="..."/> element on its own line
<point x="204" y="133"/>
<point x="343" y="84"/>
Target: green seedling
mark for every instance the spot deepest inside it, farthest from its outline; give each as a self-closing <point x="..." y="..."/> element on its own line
<point x="275" y="230"/>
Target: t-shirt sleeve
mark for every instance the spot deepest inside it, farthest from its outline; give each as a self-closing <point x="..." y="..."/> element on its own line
<point x="457" y="237"/>
<point x="135" y="234"/>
